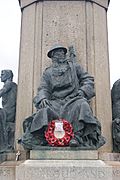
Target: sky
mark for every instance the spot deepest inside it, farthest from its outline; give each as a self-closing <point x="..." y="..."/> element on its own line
<point x="10" y="20"/>
<point x="114" y="40"/>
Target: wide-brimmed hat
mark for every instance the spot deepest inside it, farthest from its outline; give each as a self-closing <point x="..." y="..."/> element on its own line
<point x="54" y="48"/>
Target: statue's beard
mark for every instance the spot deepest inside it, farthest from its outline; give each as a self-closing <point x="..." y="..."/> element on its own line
<point x="58" y="60"/>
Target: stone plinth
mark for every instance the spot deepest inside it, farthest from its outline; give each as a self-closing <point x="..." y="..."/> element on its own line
<point x="60" y="170"/>
<point x="2" y="157"/>
<point x="63" y="154"/>
<point x="109" y="156"/>
<point x="82" y="24"/>
<point x="8" y="170"/>
<point x="115" y="169"/>
<point x="64" y="170"/>
<point x="11" y="156"/>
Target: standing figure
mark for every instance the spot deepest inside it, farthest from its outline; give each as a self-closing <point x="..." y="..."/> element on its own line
<point x="64" y="93"/>
<point x="7" y="113"/>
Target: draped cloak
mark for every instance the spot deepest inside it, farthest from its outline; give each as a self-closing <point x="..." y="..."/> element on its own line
<point x="61" y="85"/>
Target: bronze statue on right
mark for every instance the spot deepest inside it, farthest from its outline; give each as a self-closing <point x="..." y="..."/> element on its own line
<point x="115" y="95"/>
<point x="64" y="93"/>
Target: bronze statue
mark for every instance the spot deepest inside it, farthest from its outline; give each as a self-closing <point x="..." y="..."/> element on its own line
<point x="116" y="134"/>
<point x="64" y="92"/>
<point x="115" y="94"/>
<point x="7" y="113"/>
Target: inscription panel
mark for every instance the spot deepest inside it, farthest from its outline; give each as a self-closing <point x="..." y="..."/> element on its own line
<point x="51" y="173"/>
<point x="7" y="173"/>
<point x="64" y="170"/>
<point x="116" y="173"/>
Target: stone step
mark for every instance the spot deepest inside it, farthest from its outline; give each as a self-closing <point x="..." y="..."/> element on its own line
<point x="64" y="170"/>
<point x="2" y="157"/>
<point x="65" y="154"/>
<point x="8" y="170"/>
<point x="60" y="170"/>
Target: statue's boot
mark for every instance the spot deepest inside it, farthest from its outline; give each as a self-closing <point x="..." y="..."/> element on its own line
<point x="73" y="143"/>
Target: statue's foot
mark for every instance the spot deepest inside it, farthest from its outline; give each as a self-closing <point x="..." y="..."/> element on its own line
<point x="44" y="142"/>
<point x="73" y="143"/>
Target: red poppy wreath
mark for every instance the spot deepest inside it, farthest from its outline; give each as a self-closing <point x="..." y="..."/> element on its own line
<point x="59" y="133"/>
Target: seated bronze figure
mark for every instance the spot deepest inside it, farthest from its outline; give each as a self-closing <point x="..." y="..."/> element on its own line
<point x="64" y="93"/>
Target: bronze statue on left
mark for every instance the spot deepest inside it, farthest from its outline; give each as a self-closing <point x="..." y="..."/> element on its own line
<point x="7" y="113"/>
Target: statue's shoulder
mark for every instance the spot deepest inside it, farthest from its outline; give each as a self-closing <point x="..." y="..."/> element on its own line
<point x="11" y="83"/>
<point x="14" y="85"/>
<point x="48" y="69"/>
<point x="47" y="73"/>
<point x="77" y="65"/>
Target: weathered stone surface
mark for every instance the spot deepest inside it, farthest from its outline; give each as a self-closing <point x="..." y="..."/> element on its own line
<point x="103" y="100"/>
<point x="8" y="170"/>
<point x="7" y="157"/>
<point x="2" y="157"/>
<point x="60" y="170"/>
<point x="109" y="156"/>
<point x="24" y="3"/>
<point x="103" y="3"/>
<point x="63" y="154"/>
<point x="64" y="23"/>
<point x="90" y="45"/>
<point x="38" y="50"/>
<point x="115" y="169"/>
<point x="7" y="173"/>
<point x="25" y="90"/>
<point x="11" y="156"/>
<point x="23" y="155"/>
<point x="64" y="170"/>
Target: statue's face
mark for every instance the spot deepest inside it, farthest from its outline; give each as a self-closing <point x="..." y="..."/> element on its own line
<point x="3" y="76"/>
<point x="58" y="54"/>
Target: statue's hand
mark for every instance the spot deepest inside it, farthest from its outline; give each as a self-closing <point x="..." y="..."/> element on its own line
<point x="44" y="103"/>
<point x="81" y="93"/>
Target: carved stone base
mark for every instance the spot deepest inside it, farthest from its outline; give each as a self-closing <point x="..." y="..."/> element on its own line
<point x="60" y="169"/>
<point x="64" y="169"/>
<point x="8" y="170"/>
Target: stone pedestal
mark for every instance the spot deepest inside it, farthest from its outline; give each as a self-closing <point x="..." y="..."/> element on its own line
<point x="60" y="169"/>
<point x="63" y="165"/>
<point x="64" y="170"/>
<point x="82" y="24"/>
<point x="63" y="154"/>
<point x="8" y="170"/>
<point x="2" y="157"/>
